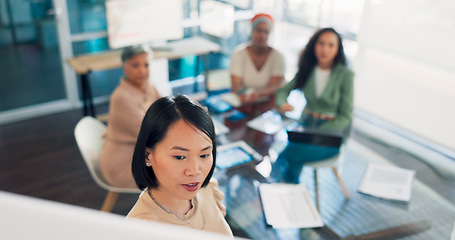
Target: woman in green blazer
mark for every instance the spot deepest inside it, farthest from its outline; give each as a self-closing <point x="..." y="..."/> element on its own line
<point x="327" y="84"/>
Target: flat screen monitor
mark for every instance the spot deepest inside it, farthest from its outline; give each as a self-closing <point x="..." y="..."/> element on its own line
<point x="134" y="22"/>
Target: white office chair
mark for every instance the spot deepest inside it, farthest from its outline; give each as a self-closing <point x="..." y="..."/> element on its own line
<point x="331" y="162"/>
<point x="88" y="133"/>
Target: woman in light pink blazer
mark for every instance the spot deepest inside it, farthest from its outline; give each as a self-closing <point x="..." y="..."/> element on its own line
<point x="128" y="104"/>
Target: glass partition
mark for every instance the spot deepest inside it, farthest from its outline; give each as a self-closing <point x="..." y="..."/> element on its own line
<point x="224" y="22"/>
<point x="31" y="66"/>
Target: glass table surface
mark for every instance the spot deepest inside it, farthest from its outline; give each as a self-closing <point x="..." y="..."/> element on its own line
<point x="427" y="216"/>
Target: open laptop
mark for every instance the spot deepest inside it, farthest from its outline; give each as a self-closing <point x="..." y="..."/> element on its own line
<point x="298" y="133"/>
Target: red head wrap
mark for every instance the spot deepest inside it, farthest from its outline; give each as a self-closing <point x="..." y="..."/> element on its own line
<point x="262" y="17"/>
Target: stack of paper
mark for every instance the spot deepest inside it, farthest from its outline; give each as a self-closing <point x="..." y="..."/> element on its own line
<point x="220" y="128"/>
<point x="232" y="99"/>
<point x="269" y="122"/>
<point x="387" y="182"/>
<point x="289" y="206"/>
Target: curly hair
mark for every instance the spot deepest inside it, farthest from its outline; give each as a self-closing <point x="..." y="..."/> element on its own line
<point x="308" y="60"/>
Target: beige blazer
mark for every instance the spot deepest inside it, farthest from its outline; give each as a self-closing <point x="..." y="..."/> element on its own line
<point x="127" y="108"/>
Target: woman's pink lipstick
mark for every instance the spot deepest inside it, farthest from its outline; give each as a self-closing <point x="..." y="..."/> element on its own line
<point x="191" y="186"/>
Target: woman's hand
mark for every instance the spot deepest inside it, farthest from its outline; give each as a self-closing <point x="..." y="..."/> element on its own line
<point x="285" y="108"/>
<point x="249" y="96"/>
<point x="252" y="97"/>
<point x="243" y="98"/>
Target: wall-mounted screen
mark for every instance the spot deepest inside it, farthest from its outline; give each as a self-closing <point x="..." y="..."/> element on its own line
<point x="132" y="22"/>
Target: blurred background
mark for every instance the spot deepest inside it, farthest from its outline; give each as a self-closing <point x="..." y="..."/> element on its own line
<point x="402" y="53"/>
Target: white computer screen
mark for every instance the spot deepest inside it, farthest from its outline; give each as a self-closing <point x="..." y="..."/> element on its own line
<point x="133" y="22"/>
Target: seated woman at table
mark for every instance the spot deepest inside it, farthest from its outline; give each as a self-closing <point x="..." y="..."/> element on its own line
<point x="257" y="69"/>
<point x="127" y="107"/>
<point x="173" y="163"/>
<point x="327" y="84"/>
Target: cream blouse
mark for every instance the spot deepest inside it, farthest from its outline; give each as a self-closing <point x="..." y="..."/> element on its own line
<point x="206" y="214"/>
<point x="242" y="66"/>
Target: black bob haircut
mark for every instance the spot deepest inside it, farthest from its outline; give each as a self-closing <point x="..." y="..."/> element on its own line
<point x="159" y="117"/>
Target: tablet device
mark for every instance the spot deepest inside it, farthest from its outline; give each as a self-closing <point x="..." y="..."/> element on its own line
<point x="217" y="105"/>
<point x="235" y="116"/>
<point x="236" y="154"/>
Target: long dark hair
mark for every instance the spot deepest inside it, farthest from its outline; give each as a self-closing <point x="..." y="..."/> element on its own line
<point x="308" y="60"/>
<point x="159" y="117"/>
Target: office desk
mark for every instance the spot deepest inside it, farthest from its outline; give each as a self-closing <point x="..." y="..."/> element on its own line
<point x="87" y="63"/>
<point x="428" y="214"/>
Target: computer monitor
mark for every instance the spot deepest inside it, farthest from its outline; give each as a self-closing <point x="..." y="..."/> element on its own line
<point x="24" y="217"/>
<point x="134" y="22"/>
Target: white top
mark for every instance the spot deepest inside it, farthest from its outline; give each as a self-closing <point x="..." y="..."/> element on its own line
<point x="242" y="66"/>
<point x="322" y="77"/>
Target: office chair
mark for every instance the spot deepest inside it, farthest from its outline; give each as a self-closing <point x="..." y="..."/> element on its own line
<point x="331" y="162"/>
<point x="88" y="133"/>
<point x="297" y="133"/>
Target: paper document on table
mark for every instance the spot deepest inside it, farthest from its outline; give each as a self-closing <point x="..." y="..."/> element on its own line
<point x="269" y="122"/>
<point x="231" y="98"/>
<point x="387" y="182"/>
<point x="289" y="206"/>
<point x="234" y="100"/>
<point x="220" y="128"/>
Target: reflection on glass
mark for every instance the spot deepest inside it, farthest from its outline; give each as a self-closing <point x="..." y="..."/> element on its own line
<point x="31" y="65"/>
<point x="346" y="16"/>
<point x="86" y="16"/>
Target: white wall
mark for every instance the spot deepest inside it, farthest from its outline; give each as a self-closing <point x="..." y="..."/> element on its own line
<point x="405" y="67"/>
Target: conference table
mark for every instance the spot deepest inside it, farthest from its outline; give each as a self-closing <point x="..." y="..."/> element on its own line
<point x="427" y="216"/>
<point x="85" y="64"/>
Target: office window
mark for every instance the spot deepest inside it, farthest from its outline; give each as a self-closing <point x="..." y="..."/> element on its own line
<point x="240" y="4"/>
<point x="86" y="16"/>
<point x="219" y="18"/>
<point x="305" y="12"/>
<point x="102" y="83"/>
<point x="223" y="22"/>
<point x="345" y="16"/>
<point x="31" y="64"/>
<point x="267" y="6"/>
